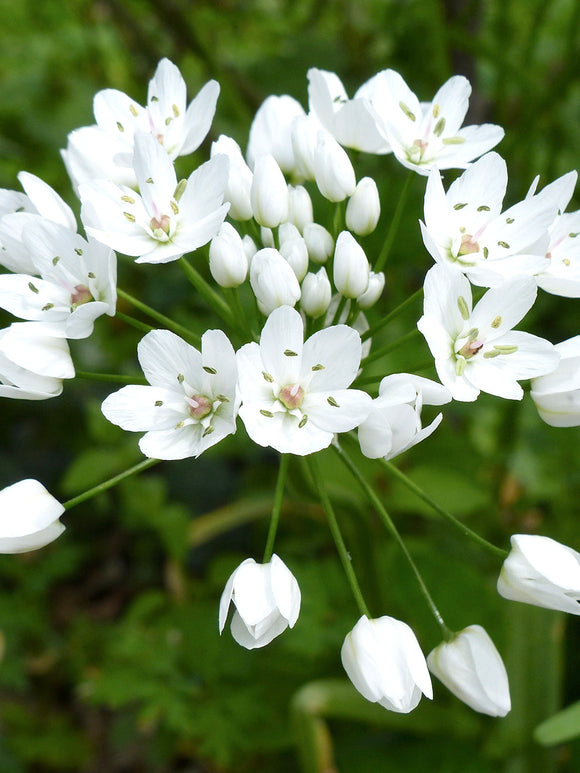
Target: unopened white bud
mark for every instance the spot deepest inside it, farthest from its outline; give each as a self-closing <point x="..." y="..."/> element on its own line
<point x="271" y="131"/>
<point x="316" y="293"/>
<point x="364" y="207"/>
<point x="300" y="210"/>
<point x="305" y="130"/>
<point x="293" y="248"/>
<point x="227" y="259"/>
<point x="267" y="237"/>
<point x="351" y="267"/>
<point x="319" y="242"/>
<point x="239" y="178"/>
<point x="269" y="193"/>
<point x="373" y="292"/>
<point x="273" y="281"/>
<point x="249" y="246"/>
<point x="333" y="170"/>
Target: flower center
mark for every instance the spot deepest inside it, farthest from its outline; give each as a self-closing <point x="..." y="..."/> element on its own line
<point x="81" y="294"/>
<point x="468" y="245"/>
<point x="291" y="396"/>
<point x="199" y="406"/>
<point x="416" y="151"/>
<point x="160" y="226"/>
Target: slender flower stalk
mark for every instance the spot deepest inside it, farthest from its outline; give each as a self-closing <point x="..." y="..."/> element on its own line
<point x="276" y="507"/>
<point x="210" y="296"/>
<point x="137" y="324"/>
<point x="115" y="378"/>
<point x="388" y="522"/>
<point x="338" y="540"/>
<point x="392" y="315"/>
<point x="404" y="339"/>
<point x="107" y="484"/>
<point x="394" y="227"/>
<point x="167" y="322"/>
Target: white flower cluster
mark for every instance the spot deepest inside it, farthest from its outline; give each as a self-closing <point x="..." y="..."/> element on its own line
<point x="291" y="378"/>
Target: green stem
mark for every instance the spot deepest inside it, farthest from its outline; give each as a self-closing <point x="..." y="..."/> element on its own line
<point x="156" y="315"/>
<point x="339" y="310"/>
<point x="441" y="511"/>
<point x="276" y="507"/>
<point x="392" y="315"/>
<point x="394" y="227"/>
<point x="388" y="522"/>
<point x="116" y="378"/>
<point x="210" y="296"/>
<point x="92" y="492"/>
<point x="338" y="540"/>
<point x="390" y="347"/>
<point x="133" y="322"/>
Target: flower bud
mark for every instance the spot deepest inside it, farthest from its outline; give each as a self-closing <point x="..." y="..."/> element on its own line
<point x="319" y="242"/>
<point x="28" y="517"/>
<point x="271" y="131"/>
<point x="267" y="237"/>
<point x="273" y="281"/>
<point x="305" y="130"/>
<point x="299" y="206"/>
<point x="363" y="208"/>
<point x="316" y="293"/>
<point x="333" y="170"/>
<point x="373" y="292"/>
<point x="227" y="259"/>
<point x="293" y="249"/>
<point x="557" y="395"/>
<point x="239" y="178"/>
<point x="269" y="193"/>
<point x="542" y="572"/>
<point x="472" y="669"/>
<point x="249" y="246"/>
<point x="351" y="267"/>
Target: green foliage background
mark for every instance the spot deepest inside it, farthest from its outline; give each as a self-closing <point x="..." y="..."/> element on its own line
<point x="111" y="657"/>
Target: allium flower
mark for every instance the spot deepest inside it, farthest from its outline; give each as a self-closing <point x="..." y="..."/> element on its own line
<point x="105" y="150"/>
<point x="273" y="281"/>
<point x="383" y="660"/>
<point x="28" y="517"/>
<point x="557" y="395"/>
<point x="295" y="395"/>
<point x="472" y="669"/>
<point x="364" y="207"/>
<point x="267" y="601"/>
<point x="333" y="170"/>
<point x="394" y="422"/>
<point x="192" y="401"/>
<point x="353" y="123"/>
<point x="466" y="229"/>
<point x="227" y="258"/>
<point x="164" y="220"/>
<point x="271" y="131"/>
<point x="316" y="293"/>
<point x="77" y="280"/>
<point x="477" y="349"/>
<point x="269" y="193"/>
<point x="542" y="572"/>
<point x="427" y="135"/>
<point x="351" y="268"/>
<point x="240" y="178"/>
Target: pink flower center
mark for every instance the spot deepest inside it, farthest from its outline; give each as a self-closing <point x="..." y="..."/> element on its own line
<point x="199" y="406"/>
<point x="468" y="245"/>
<point x="470" y="348"/>
<point x="291" y="396"/>
<point x="160" y="224"/>
<point x="81" y="294"/>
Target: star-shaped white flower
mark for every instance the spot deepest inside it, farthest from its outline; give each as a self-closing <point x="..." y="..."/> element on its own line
<point x="164" y="220"/>
<point x="476" y="349"/>
<point x="295" y="394"/>
<point x="192" y="401"/>
<point x="427" y="135"/>
<point x="466" y="229"/>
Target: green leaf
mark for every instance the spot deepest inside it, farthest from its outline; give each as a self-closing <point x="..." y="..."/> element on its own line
<point x="561" y="727"/>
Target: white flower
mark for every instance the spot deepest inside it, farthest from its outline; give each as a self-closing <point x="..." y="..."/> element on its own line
<point x="77" y="280"/>
<point x="557" y="395"/>
<point x="373" y="292"/>
<point x="472" y="669"/>
<point x="316" y="293"/>
<point x="383" y="660"/>
<point x="466" y="229"/>
<point x="333" y="170"/>
<point x="239" y="178"/>
<point x="394" y="422"/>
<point x="34" y="358"/>
<point x="271" y="131"/>
<point x="267" y="601"/>
<point x="293" y="249"/>
<point x="477" y="349"/>
<point x="228" y="262"/>
<point x="300" y="211"/>
<point x="269" y="193"/>
<point x="351" y="268"/>
<point x="427" y="135"/>
<point x="542" y="572"/>
<point x="28" y="517"/>
<point x="164" y="220"/>
<point x="352" y="123"/>
<point x="192" y="401"/>
<point x="319" y="242"/>
<point x="295" y="395"/>
<point x="273" y="281"/>
<point x="364" y="207"/>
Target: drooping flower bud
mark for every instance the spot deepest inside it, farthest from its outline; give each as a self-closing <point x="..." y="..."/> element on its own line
<point x="269" y="193"/>
<point x="239" y="178"/>
<point x="273" y="281"/>
<point x="373" y="292"/>
<point x="333" y="170"/>
<point x="316" y="293"/>
<point x="351" y="267"/>
<point x="364" y="208"/>
<point x="29" y="517"/>
<point x="227" y="259"/>
<point x="319" y="242"/>
<point x="299" y="206"/>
